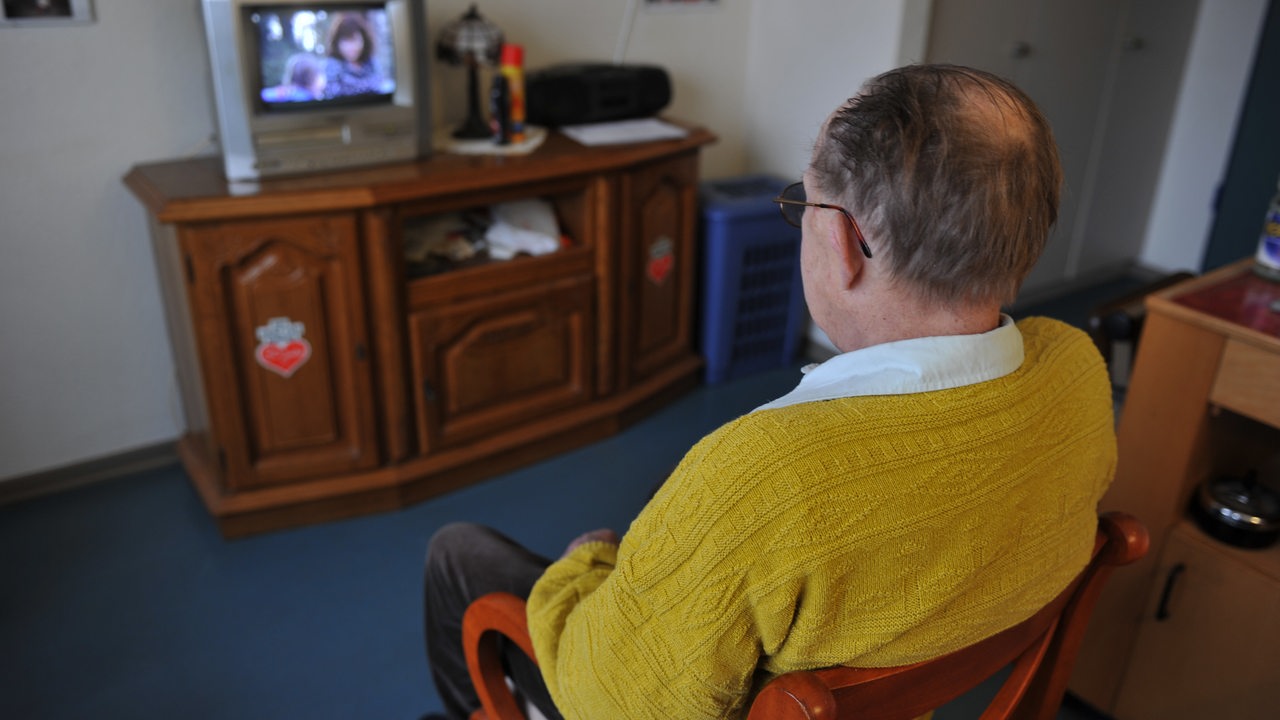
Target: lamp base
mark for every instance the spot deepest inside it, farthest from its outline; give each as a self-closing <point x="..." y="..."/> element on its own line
<point x="473" y="129"/>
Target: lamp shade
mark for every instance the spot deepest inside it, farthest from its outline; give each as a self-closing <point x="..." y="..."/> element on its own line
<point x="470" y="40"/>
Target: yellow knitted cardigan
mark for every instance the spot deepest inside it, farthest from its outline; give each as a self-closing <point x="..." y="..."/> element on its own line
<point x="864" y="531"/>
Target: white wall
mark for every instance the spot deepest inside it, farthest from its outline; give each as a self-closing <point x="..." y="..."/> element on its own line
<point x="1195" y="164"/>
<point x="805" y="58"/>
<point x="85" y="369"/>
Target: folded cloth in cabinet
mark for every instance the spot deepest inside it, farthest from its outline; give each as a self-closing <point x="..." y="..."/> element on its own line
<point x="522" y="226"/>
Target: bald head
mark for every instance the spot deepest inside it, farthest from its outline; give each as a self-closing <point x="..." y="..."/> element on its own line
<point x="953" y="175"/>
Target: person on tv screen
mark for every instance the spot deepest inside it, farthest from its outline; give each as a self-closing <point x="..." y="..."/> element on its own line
<point x="352" y="69"/>
<point x="304" y="80"/>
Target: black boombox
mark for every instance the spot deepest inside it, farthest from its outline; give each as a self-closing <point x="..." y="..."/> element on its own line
<point x="579" y="93"/>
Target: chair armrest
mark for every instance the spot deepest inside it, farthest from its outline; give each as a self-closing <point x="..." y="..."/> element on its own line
<point x="486" y="619"/>
<point x="795" y="695"/>
<point x="1127" y="538"/>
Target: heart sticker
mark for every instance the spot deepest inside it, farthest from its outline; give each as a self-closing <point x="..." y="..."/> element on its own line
<point x="659" y="268"/>
<point x="661" y="260"/>
<point x="281" y="347"/>
<point x="284" y="360"/>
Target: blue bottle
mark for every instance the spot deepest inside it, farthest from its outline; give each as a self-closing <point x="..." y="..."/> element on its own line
<point x="1267" y="261"/>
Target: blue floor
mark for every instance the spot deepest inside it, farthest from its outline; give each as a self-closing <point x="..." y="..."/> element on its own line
<point x="121" y="600"/>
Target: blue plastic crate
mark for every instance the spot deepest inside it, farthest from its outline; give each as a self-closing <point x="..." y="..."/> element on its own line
<point x="753" y="312"/>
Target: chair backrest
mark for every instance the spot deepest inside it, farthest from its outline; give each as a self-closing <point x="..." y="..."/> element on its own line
<point x="1041" y="649"/>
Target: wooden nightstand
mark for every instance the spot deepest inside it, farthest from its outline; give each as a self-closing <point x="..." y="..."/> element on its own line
<point x="1193" y="630"/>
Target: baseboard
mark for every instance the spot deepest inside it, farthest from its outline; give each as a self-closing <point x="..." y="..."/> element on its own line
<point x="110" y="467"/>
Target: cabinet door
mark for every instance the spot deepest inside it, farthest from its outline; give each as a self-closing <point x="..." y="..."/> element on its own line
<point x="280" y="315"/>
<point x="1207" y="647"/>
<point x="658" y="238"/>
<point x="488" y="366"/>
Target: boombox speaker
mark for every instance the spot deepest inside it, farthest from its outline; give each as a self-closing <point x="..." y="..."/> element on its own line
<point x="588" y="93"/>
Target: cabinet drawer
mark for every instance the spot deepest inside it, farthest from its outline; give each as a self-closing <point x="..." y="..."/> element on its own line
<point x="491" y="366"/>
<point x="1248" y="382"/>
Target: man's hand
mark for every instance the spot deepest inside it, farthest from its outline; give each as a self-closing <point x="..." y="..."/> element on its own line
<point x="602" y="535"/>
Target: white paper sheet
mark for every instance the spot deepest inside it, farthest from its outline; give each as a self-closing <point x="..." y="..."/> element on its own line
<point x="624" y="131"/>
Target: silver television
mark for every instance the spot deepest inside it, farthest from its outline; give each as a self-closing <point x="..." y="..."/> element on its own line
<point x="312" y="85"/>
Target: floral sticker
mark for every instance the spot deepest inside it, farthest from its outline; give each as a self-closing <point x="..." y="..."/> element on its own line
<point x="281" y="347"/>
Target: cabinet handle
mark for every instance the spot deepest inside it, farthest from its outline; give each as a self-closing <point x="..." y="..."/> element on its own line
<point x="428" y="392"/>
<point x="1162" y="612"/>
<point x="360" y="352"/>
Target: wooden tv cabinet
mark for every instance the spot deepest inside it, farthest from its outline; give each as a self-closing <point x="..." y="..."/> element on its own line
<point x="324" y="375"/>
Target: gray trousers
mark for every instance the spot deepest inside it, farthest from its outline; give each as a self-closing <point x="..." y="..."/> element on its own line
<point x="465" y="561"/>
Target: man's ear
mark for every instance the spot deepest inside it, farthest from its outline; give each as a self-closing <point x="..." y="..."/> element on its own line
<point x="847" y="253"/>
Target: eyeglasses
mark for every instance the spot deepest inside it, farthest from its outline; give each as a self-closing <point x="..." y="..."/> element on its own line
<point x="791" y="204"/>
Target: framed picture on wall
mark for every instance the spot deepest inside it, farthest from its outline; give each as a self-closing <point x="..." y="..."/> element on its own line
<point x="680" y="4"/>
<point x="45" y="12"/>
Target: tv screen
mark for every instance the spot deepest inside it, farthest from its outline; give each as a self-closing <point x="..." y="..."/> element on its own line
<point x="322" y="55"/>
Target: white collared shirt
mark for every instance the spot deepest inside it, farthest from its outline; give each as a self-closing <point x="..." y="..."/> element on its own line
<point x="911" y="366"/>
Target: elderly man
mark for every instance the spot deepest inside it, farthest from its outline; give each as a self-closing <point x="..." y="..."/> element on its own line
<point x="933" y="484"/>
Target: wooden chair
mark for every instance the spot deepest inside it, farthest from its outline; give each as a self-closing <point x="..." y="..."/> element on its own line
<point x="1041" y="650"/>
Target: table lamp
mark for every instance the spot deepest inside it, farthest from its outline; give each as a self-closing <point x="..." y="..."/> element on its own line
<point x="472" y="41"/>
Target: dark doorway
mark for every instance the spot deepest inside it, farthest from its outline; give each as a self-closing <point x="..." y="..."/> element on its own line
<point x="1255" y="158"/>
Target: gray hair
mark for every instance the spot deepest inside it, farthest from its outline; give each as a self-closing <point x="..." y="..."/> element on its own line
<point x="952" y="173"/>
